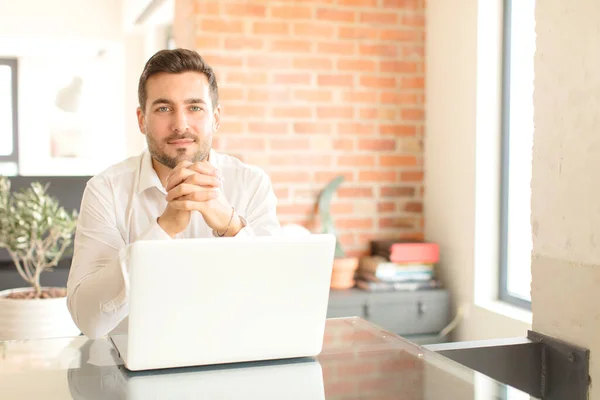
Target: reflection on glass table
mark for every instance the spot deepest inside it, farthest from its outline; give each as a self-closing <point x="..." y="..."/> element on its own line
<point x="358" y="361"/>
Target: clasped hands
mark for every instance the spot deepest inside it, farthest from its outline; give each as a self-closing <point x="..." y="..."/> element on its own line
<point x="197" y="187"/>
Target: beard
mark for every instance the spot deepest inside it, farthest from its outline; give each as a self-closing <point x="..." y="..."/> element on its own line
<point x="156" y="149"/>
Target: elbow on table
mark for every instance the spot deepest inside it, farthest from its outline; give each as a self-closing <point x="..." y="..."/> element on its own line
<point x="89" y="325"/>
<point x="92" y="331"/>
<point x="91" y="328"/>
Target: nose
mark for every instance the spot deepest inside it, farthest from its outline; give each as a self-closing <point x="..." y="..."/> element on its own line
<point x="179" y="123"/>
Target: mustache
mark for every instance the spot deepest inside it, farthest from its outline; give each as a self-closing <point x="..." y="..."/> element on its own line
<point x="180" y="137"/>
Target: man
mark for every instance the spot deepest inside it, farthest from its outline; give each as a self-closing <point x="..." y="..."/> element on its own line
<point x="178" y="188"/>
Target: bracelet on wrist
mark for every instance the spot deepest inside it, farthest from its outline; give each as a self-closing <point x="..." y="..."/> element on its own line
<point x="229" y="224"/>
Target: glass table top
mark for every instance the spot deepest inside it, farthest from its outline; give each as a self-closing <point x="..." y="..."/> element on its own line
<point x="358" y="361"/>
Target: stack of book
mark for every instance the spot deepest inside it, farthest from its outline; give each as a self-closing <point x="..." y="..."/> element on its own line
<point x="399" y="266"/>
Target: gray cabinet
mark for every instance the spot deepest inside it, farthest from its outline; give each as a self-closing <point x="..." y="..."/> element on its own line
<point x="416" y="315"/>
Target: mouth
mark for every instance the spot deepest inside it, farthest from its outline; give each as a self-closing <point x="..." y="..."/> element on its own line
<point x="181" y="142"/>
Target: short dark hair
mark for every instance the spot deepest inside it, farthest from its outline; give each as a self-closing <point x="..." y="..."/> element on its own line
<point x="177" y="61"/>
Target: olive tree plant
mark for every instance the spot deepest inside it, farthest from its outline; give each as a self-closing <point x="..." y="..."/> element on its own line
<point x="35" y="230"/>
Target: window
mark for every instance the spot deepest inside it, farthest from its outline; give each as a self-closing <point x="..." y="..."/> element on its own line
<point x="517" y="142"/>
<point x="8" y="117"/>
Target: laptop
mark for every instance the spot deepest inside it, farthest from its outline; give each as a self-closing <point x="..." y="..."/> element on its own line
<point x="210" y="301"/>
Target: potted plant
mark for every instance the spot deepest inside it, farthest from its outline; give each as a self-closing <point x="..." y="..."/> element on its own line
<point x="344" y="267"/>
<point x="36" y="231"/>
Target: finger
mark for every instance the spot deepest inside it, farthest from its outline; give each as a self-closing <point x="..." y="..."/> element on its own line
<point x="186" y="189"/>
<point x="199" y="196"/>
<point x="193" y="201"/>
<point x="203" y="180"/>
<point x="181" y="165"/>
<point x="182" y="190"/>
<point x="204" y="168"/>
<point x="184" y="205"/>
<point x="178" y="177"/>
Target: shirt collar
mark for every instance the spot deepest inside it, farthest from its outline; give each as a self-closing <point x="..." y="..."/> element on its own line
<point x="149" y="178"/>
<point x="212" y="158"/>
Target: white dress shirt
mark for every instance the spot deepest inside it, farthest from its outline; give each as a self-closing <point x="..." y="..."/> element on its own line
<point x="121" y="205"/>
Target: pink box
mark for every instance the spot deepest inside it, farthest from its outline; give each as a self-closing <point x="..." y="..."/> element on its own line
<point x="427" y="253"/>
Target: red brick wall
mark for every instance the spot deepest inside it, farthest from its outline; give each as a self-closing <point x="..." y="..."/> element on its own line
<point x="313" y="89"/>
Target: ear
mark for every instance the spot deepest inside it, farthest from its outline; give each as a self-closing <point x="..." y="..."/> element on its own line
<point x="141" y="120"/>
<point x="216" y="118"/>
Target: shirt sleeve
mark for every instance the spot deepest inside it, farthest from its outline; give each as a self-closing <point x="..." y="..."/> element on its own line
<point x="260" y="217"/>
<point x="97" y="295"/>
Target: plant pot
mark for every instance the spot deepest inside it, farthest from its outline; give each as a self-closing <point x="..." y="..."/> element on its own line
<point x="342" y="275"/>
<point x="34" y="318"/>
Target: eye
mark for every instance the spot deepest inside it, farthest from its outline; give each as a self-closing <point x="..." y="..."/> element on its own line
<point x="163" y="109"/>
<point x="195" y="108"/>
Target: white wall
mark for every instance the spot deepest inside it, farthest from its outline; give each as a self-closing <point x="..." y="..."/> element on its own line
<point x="61" y="19"/>
<point x="96" y="132"/>
<point x="462" y="161"/>
<point x="131" y="10"/>
<point x="145" y="12"/>
<point x="566" y="178"/>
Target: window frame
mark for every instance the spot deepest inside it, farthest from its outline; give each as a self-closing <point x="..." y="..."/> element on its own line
<point x="503" y="293"/>
<point x="13" y="64"/>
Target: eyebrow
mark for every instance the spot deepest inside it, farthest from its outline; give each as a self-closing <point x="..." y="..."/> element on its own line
<point x="187" y="101"/>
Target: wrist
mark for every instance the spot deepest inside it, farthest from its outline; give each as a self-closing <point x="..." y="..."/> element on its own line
<point x="236" y="226"/>
<point x="231" y="226"/>
<point x="165" y="226"/>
